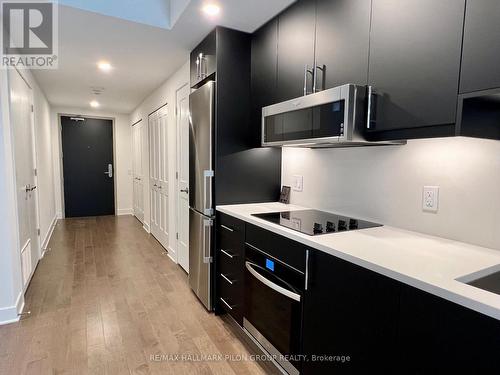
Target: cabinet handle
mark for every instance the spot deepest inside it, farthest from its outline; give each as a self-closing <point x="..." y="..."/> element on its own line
<point x="225" y="303"/>
<point x="369" y="111"/>
<point x="306" y="276"/>
<point x="227" y="228"/>
<point x="306" y="72"/>
<point x="315" y="77"/>
<point x="226" y="278"/>
<point x="227" y="253"/>
<point x="197" y="68"/>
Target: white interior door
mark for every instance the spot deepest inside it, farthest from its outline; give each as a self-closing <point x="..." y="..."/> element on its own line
<point x="21" y="111"/>
<point x="159" y="175"/>
<point x="138" y="191"/>
<point x="183" y="177"/>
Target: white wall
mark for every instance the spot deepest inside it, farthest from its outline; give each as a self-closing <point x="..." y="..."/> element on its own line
<point x="384" y="184"/>
<point x="165" y="94"/>
<point x="122" y="150"/>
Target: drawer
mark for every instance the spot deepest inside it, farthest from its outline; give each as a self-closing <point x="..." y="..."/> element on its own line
<point x="288" y="251"/>
<point x="231" y="228"/>
<point x="230" y="296"/>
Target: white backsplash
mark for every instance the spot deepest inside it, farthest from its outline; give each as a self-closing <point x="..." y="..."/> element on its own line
<point x="385" y="184"/>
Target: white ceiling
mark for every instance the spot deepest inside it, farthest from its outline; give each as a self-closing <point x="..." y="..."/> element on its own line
<point x="142" y="56"/>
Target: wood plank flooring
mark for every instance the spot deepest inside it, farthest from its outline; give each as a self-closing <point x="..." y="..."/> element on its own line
<point x="105" y="300"/>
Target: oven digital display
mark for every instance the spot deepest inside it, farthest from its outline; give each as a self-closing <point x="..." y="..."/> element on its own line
<point x="270" y="264"/>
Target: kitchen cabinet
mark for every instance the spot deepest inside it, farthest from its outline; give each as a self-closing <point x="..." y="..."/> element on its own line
<point x="414" y="64"/>
<point x="480" y="57"/>
<point x="264" y="62"/>
<point x="437" y="336"/>
<point x="230" y="258"/>
<point x="203" y="60"/>
<point x="349" y="311"/>
<point x="342" y="42"/>
<point x="295" y="49"/>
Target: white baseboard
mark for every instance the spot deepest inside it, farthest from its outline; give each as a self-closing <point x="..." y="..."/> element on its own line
<point x="48" y="235"/>
<point x="59" y="215"/>
<point x="10" y="314"/>
<point x="124" y="211"/>
<point x="146" y="227"/>
<point x="171" y="254"/>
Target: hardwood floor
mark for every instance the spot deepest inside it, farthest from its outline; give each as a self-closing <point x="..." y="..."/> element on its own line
<point x="105" y="300"/>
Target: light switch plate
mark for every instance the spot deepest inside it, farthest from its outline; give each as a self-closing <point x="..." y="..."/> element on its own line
<point x="297" y="183"/>
<point x="430" y="198"/>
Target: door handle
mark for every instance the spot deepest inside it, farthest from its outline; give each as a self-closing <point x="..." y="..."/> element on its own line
<point x="306" y="72"/>
<point x="207" y="223"/>
<point x="207" y="210"/>
<point x="371" y="98"/>
<point x="109" y="172"/>
<point x="270" y="284"/>
<point x="33" y="188"/>
<point x="315" y="77"/>
<point x="186" y="190"/>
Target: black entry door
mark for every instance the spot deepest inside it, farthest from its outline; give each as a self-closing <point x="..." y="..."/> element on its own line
<point x="87" y="158"/>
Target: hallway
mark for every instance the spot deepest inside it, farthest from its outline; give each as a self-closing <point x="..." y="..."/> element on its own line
<point x="104" y="299"/>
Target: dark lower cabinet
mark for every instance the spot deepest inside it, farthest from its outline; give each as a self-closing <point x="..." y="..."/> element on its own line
<point x="295" y="49"/>
<point x="350" y="312"/>
<point x="414" y="65"/>
<point x="342" y="39"/>
<point x="437" y="337"/>
<point x="229" y="270"/>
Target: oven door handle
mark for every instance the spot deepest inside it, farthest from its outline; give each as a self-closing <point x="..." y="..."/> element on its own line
<point x="270" y="284"/>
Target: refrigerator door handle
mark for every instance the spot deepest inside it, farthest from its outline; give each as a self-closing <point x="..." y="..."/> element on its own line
<point x="207" y="223"/>
<point x="207" y="174"/>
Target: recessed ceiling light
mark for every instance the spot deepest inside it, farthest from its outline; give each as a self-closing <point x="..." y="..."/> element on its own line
<point x="211" y="9"/>
<point x="94" y="104"/>
<point x="104" y="66"/>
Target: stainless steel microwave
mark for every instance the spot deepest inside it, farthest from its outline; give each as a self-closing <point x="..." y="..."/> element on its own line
<point x="336" y="117"/>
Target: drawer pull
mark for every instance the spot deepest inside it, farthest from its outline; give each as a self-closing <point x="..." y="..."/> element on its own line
<point x="227" y="253"/>
<point x="225" y="303"/>
<point x="227" y="228"/>
<point x="226" y="278"/>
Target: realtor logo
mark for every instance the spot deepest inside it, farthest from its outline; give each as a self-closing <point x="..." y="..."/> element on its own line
<point x="29" y="34"/>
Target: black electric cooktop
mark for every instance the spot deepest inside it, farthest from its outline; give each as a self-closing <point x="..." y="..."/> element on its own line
<point x="314" y="222"/>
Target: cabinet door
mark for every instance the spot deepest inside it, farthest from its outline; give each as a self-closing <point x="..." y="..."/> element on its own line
<point x="348" y="311"/>
<point x="203" y="59"/>
<point x="342" y="37"/>
<point x="295" y="49"/>
<point x="263" y="69"/>
<point x="480" y="58"/>
<point x="415" y="48"/>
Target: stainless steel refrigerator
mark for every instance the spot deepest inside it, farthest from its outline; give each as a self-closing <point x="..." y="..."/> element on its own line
<point x="201" y="200"/>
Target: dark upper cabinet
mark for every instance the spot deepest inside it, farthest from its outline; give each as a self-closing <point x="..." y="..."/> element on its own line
<point x="342" y="42"/>
<point x="414" y="63"/>
<point x="203" y="61"/>
<point x="348" y="311"/>
<point x="481" y="57"/>
<point x="263" y="69"/>
<point x="296" y="27"/>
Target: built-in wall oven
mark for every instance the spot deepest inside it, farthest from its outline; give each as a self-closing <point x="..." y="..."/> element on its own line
<point x="274" y="294"/>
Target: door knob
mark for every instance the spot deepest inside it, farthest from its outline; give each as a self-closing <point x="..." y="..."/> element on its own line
<point x="186" y="190"/>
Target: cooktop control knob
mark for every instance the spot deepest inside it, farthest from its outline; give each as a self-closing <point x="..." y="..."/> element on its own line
<point x="353" y="224"/>
<point x="318" y="228"/>
<point x="342" y="225"/>
<point x="330" y="226"/>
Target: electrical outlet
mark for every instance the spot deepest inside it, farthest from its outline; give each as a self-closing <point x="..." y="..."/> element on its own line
<point x="430" y="198"/>
<point x="297" y="183"/>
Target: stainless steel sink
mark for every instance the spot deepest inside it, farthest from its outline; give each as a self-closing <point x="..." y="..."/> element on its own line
<point x="487" y="279"/>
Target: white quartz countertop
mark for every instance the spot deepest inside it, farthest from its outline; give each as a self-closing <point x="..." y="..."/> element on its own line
<point x="426" y="262"/>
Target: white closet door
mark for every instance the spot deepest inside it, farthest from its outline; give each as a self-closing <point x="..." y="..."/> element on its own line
<point x="138" y="190"/>
<point x="159" y="175"/>
<point x="24" y="156"/>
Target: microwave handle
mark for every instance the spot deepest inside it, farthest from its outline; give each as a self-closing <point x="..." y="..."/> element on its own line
<point x="371" y="101"/>
<point x="270" y="284"/>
